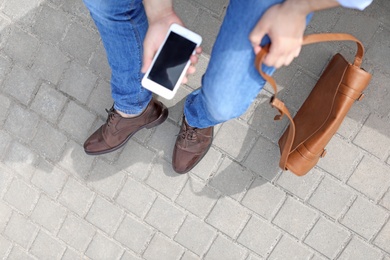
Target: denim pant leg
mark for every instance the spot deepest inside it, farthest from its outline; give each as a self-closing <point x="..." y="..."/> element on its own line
<point x="231" y="82"/>
<point x="122" y="25"/>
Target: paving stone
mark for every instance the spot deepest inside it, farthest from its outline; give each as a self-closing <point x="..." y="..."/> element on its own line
<point x="374" y="136"/>
<point x="235" y="138"/>
<point x="207" y="26"/>
<point x="329" y="15"/>
<point x="21" y="196"/>
<point x="99" y="63"/>
<point x="336" y="149"/>
<point x="18" y="8"/>
<point x="377" y="51"/>
<point x="289" y="248"/>
<point x="331" y="197"/>
<point x="197" y="198"/>
<point x="5" y="64"/>
<point x="222" y="248"/>
<point x="21" y="160"/>
<point x="5" y="103"/>
<point x="313" y="58"/>
<point x="259" y="236"/>
<point x="133" y="234"/>
<point x="104" y="215"/>
<point x="376" y="97"/>
<point x="78" y="82"/>
<point x="20" y="230"/>
<point x="199" y="243"/>
<point x="136" y="197"/>
<point x="49" y="214"/>
<point x="136" y="160"/>
<point x="300" y="186"/>
<point x="263" y="116"/>
<point x="385" y="202"/>
<point x="100" y="98"/>
<point x="5" y="215"/>
<point x="295" y="217"/>
<point x="176" y="104"/>
<point x="371" y="178"/>
<point x="49" y="178"/>
<point x="50" y="24"/>
<point x="21" y="122"/>
<point x="102" y="247"/>
<point x="106" y="179"/>
<point x="48" y="141"/>
<point x="165" y="217"/>
<point x="263" y="198"/>
<point x="382" y="240"/>
<point x="327" y="238"/>
<point x="79" y="42"/>
<point x="5" y="141"/>
<point x="18" y="50"/>
<point x="50" y="63"/>
<point x="195" y="80"/>
<point x="164" y="138"/>
<point x="263" y="159"/>
<point x="353" y="121"/>
<point x="359" y="250"/>
<point x="188" y="255"/>
<point x="5" y="247"/>
<point x="48" y="102"/>
<point x="208" y="164"/>
<point x="231" y="179"/>
<point x="71" y="254"/>
<point x="228" y="216"/>
<point x="364" y="218"/>
<point x="76" y="232"/>
<point x="75" y="160"/>
<point x="77" y="130"/>
<point x="18" y="253"/>
<point x="129" y="256"/>
<point x="76" y="197"/>
<point x="162" y="248"/>
<point x="165" y="180"/>
<point x="46" y="247"/>
<point x="78" y="9"/>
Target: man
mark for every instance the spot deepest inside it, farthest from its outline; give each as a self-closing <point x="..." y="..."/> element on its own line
<point x="133" y="30"/>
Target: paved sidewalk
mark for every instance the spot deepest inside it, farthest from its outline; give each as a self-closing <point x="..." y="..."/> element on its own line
<point x="58" y="203"/>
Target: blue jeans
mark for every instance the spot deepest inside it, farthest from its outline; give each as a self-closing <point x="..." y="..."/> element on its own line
<point x="230" y="83"/>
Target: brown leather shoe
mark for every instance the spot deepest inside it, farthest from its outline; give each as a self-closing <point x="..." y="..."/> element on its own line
<point x="191" y="146"/>
<point x="118" y="130"/>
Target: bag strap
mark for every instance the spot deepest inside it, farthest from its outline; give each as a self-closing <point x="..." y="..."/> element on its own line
<point x="278" y="104"/>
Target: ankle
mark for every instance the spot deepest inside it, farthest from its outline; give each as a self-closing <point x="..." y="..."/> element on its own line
<point x="124" y="115"/>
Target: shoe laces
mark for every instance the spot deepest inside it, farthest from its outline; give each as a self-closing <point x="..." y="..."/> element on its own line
<point x="189" y="134"/>
<point x="111" y="116"/>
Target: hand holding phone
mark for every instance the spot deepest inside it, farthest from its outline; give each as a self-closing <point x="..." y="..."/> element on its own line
<point x="171" y="61"/>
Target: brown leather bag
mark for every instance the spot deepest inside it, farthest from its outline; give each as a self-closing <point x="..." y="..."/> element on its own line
<point x="303" y="143"/>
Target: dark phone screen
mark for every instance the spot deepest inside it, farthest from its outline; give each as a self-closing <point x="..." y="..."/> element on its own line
<point x="171" y="61"/>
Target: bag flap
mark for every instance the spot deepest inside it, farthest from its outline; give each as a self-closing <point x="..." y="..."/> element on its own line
<point x="318" y="106"/>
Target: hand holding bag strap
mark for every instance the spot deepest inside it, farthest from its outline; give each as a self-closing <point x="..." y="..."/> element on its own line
<point x="278" y="104"/>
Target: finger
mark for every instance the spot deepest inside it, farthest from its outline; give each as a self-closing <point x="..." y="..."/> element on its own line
<point x="194" y="59"/>
<point x="191" y="70"/>
<point x="198" y="50"/>
<point x="257" y="34"/>
<point x="185" y="80"/>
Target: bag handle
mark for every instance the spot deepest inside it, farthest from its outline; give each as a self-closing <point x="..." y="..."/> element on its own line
<point x="278" y="104"/>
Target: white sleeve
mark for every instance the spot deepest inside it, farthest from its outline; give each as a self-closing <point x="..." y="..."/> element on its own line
<point x="358" y="4"/>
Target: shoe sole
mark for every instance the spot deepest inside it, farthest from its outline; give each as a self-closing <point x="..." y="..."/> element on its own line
<point x="158" y="121"/>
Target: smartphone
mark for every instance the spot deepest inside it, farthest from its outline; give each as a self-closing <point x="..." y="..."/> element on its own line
<point x="171" y="61"/>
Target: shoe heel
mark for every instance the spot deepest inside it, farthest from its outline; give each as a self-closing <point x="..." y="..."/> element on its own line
<point x="160" y="120"/>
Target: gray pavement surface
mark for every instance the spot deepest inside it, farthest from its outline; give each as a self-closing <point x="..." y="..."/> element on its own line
<point x="58" y="203"/>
